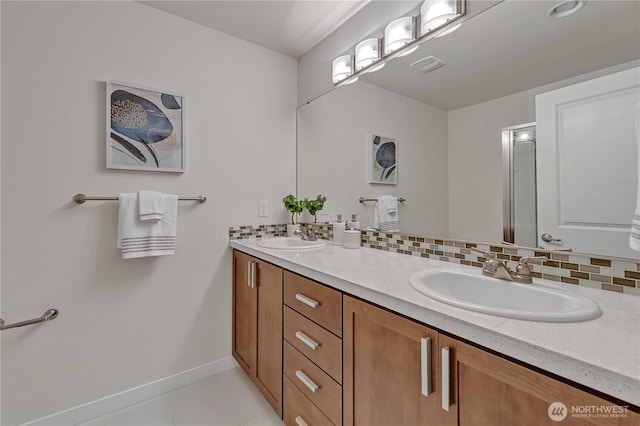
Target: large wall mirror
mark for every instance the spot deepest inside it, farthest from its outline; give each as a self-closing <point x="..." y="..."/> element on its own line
<point x="509" y="66"/>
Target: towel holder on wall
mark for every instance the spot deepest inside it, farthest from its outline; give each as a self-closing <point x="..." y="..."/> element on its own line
<point x="362" y="199"/>
<point x="81" y="198"/>
<point x="47" y="316"/>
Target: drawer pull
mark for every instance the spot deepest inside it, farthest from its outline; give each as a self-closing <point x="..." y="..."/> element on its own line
<point x="307" y="381"/>
<point x="307" y="340"/>
<point x="252" y="275"/>
<point x="300" y="421"/>
<point x="307" y="300"/>
<point x="446" y="366"/>
<point x="425" y="365"/>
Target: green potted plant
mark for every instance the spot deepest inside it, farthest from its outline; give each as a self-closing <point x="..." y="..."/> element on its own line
<point x="293" y="206"/>
<point x="314" y="206"/>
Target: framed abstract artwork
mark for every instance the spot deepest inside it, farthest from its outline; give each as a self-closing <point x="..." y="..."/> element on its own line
<point x="382" y="159"/>
<point x="145" y="128"/>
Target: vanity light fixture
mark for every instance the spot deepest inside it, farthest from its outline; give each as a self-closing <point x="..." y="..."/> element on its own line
<point x="367" y="52"/>
<point x="399" y="33"/>
<point x="342" y="68"/>
<point x="401" y="37"/>
<point x="437" y="13"/>
<point x="566" y="8"/>
<point x="449" y="31"/>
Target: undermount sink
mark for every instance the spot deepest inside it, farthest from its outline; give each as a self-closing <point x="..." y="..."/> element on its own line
<point x="504" y="298"/>
<point x="290" y="243"/>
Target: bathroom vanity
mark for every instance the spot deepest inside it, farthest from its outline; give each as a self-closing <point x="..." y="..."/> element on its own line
<point x="336" y="336"/>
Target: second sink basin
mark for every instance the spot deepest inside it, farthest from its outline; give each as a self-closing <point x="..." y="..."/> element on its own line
<point x="290" y="243"/>
<point x="504" y="298"/>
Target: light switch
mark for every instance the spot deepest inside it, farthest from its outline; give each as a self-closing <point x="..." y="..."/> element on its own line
<point x="263" y="208"/>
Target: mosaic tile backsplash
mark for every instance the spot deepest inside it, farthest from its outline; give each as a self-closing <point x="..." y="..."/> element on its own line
<point x="601" y="272"/>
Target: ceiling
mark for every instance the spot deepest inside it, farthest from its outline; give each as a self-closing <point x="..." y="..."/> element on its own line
<point x="290" y="27"/>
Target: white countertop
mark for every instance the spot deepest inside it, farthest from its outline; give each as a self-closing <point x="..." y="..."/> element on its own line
<point x="603" y="354"/>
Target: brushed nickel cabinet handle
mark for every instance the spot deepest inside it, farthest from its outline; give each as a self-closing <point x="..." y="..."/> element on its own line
<point x="307" y="300"/>
<point x="425" y="365"/>
<point x="307" y="340"/>
<point x="307" y="381"/>
<point x="446" y="377"/>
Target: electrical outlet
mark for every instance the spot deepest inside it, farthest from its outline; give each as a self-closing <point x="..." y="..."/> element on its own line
<point x="263" y="208"/>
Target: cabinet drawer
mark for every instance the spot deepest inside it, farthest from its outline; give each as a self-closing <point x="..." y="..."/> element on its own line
<point x="316" y="343"/>
<point x="324" y="392"/>
<point x="315" y="301"/>
<point x="298" y="410"/>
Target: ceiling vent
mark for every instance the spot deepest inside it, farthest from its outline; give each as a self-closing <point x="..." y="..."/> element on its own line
<point x="428" y="64"/>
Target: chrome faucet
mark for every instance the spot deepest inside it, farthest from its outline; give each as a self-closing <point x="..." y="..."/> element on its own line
<point x="493" y="267"/>
<point x="307" y="233"/>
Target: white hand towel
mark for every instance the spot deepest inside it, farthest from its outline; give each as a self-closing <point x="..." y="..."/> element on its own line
<point x="150" y="205"/>
<point x="634" y="238"/>
<point x="150" y="238"/>
<point x="385" y="214"/>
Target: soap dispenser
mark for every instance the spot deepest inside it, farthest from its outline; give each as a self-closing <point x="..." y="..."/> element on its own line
<point x="338" y="231"/>
<point x="353" y="224"/>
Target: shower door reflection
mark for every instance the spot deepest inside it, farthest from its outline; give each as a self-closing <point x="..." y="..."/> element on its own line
<point x="519" y="160"/>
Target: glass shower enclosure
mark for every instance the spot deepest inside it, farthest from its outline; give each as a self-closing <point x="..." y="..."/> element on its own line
<point x="519" y="172"/>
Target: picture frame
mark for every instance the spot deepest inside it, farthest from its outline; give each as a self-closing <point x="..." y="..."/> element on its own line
<point x="144" y="128"/>
<point x="382" y="158"/>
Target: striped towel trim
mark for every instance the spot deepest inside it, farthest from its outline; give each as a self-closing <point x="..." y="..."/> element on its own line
<point x="634" y="238"/>
<point x="393" y="226"/>
<point x="148" y="246"/>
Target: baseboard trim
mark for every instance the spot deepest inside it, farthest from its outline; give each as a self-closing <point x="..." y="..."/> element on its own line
<point x="103" y="406"/>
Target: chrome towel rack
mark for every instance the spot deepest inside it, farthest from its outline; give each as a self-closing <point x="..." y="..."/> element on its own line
<point x="81" y="198"/>
<point x="47" y="316"/>
<point x="362" y="199"/>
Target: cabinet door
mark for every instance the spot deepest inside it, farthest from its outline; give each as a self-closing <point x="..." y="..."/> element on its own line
<point x="389" y="368"/>
<point x="257" y="324"/>
<point x="244" y="314"/>
<point x="488" y="390"/>
<point x="269" y="333"/>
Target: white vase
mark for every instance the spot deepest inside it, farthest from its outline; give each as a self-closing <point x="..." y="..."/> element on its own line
<point x="292" y="228"/>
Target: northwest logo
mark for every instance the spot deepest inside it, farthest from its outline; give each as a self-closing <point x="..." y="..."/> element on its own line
<point x="557" y="411"/>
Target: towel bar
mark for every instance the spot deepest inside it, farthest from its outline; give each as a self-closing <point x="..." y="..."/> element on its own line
<point x="47" y="316"/>
<point x="362" y="199"/>
<point x="81" y="198"/>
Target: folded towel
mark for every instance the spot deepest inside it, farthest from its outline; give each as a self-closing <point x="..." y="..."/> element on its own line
<point x="634" y="238"/>
<point x="150" y="238"/>
<point x="385" y="214"/>
<point x="149" y="205"/>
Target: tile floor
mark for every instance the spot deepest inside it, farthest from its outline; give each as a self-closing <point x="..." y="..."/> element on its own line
<point x="226" y="399"/>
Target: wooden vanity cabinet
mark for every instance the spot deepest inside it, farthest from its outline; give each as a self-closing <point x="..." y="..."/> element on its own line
<point x="485" y="389"/>
<point x="386" y="367"/>
<point x="390" y="368"/>
<point x="395" y="371"/>
<point x="312" y="353"/>
<point x="257" y="324"/>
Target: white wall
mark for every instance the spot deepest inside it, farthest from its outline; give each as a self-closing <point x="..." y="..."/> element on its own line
<point x="124" y="323"/>
<point x="332" y="155"/>
<point x="475" y="165"/>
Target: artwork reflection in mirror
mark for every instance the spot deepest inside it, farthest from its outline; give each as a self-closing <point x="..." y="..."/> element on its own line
<point x="383" y="163"/>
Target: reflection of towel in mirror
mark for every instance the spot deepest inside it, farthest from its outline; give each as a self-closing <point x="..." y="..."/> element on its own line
<point x="151" y="238"/>
<point x="634" y="239"/>
<point x="385" y="214"/>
